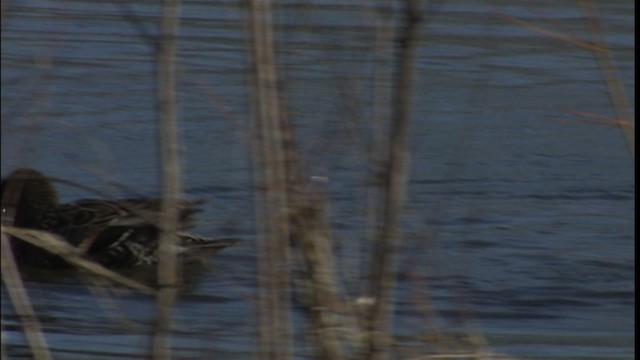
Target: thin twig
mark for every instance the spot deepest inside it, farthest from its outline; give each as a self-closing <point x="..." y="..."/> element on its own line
<point x="554" y="34"/>
<point x="135" y="20"/>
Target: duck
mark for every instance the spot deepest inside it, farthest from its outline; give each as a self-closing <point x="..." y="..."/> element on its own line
<point x="116" y="233"/>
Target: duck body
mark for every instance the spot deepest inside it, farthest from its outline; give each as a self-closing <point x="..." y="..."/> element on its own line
<point x="115" y="233"/>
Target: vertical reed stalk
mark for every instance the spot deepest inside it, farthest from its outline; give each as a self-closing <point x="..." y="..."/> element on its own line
<point x="22" y="304"/>
<point x="168" y="267"/>
<point x="272" y="211"/>
<point x="388" y="240"/>
<point x="383" y="46"/>
<point x="13" y="281"/>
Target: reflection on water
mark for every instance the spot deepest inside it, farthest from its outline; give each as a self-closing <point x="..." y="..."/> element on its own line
<point x="520" y="222"/>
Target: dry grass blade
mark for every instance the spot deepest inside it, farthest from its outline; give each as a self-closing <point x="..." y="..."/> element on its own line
<point x="22" y="304"/>
<point x="72" y="255"/>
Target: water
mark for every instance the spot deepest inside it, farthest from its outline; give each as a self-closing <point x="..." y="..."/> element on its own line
<point x="520" y="216"/>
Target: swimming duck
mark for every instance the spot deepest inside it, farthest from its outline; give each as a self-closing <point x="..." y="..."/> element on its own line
<point x="115" y="233"/>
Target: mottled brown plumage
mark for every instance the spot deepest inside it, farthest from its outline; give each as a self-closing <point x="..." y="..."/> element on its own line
<point x="115" y="233"/>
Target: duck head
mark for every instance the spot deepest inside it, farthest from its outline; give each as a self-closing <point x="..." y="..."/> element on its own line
<point x="25" y="193"/>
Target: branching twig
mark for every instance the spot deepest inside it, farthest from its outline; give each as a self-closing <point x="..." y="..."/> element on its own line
<point x="608" y="68"/>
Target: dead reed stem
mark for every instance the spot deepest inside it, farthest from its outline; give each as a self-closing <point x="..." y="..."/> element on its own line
<point x="290" y="216"/>
<point x="168" y="267"/>
<point x="272" y="211"/>
<point x="395" y="179"/>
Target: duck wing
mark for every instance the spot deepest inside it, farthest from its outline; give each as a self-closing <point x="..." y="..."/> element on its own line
<point x="139" y="246"/>
<point x="109" y="219"/>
